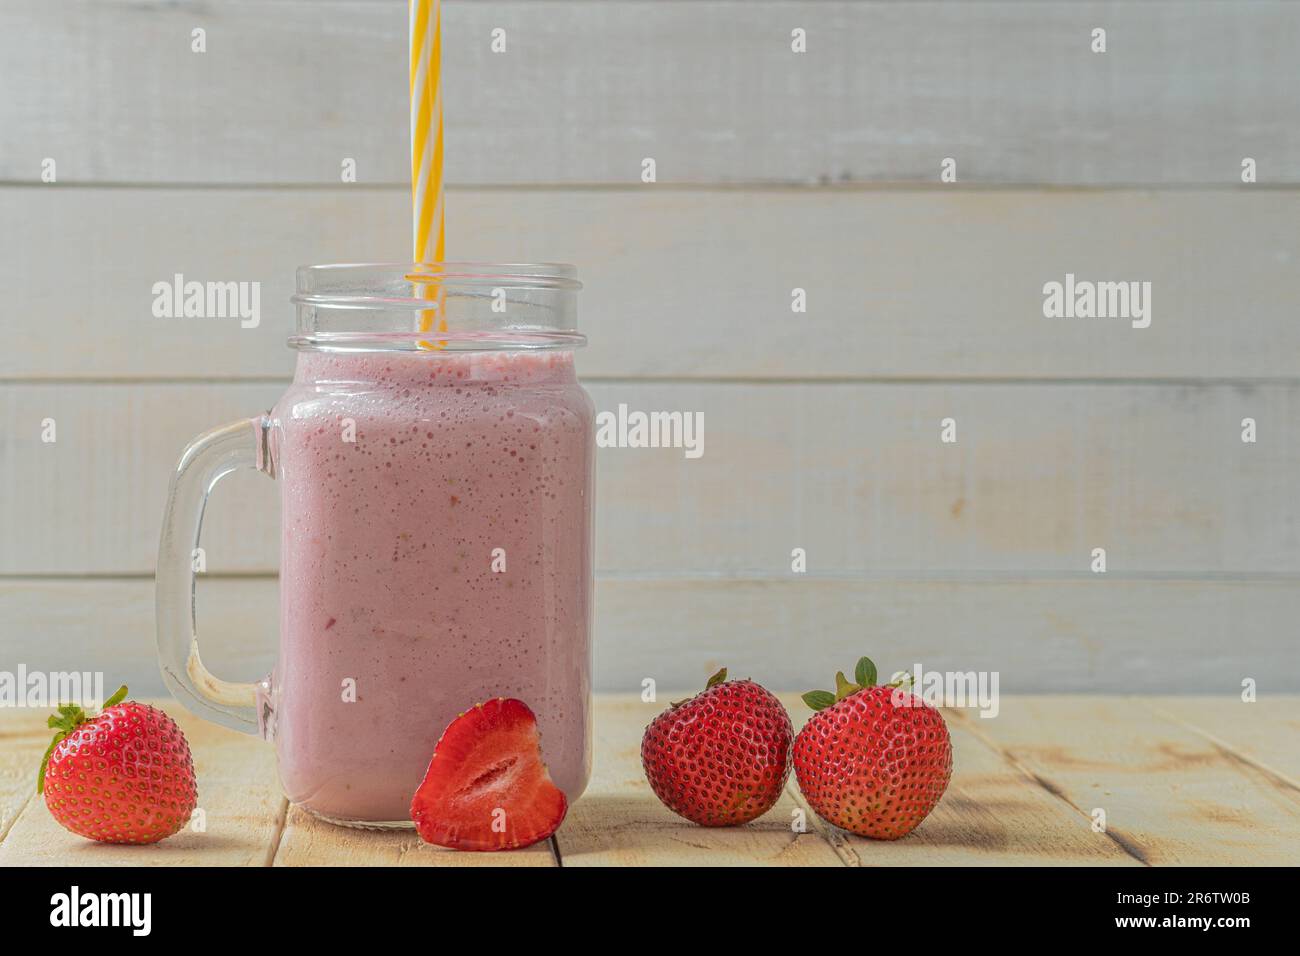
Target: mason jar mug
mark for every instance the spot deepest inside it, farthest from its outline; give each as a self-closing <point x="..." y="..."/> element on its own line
<point x="435" y="461"/>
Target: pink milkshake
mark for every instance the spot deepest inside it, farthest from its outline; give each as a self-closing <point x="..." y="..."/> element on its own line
<point x="436" y="529"/>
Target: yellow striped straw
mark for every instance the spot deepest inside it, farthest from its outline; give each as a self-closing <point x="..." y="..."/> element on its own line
<point x="426" y="147"/>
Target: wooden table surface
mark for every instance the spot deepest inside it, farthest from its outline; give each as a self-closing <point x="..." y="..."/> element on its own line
<point x="1182" y="780"/>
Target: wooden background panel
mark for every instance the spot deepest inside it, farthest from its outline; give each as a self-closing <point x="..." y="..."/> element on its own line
<point x="93" y="498"/>
<point x="106" y="625"/>
<point x="1085" y="634"/>
<point x="711" y="90"/>
<point x="1040" y="476"/>
<point x="692" y="283"/>
<point x="855" y="474"/>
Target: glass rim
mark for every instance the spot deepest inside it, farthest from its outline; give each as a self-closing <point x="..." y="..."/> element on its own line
<point x="434" y="342"/>
<point x="316" y="283"/>
<point x="381" y="297"/>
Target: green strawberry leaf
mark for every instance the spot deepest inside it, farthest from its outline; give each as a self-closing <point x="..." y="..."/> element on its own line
<point x="842" y="686"/>
<point x="716" y="679"/>
<point x="865" y="672"/>
<point x="819" y="699"/>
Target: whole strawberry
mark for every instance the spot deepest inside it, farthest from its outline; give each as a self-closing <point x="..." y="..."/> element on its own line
<point x="872" y="760"/>
<point x="124" y="776"/>
<point x="722" y="757"/>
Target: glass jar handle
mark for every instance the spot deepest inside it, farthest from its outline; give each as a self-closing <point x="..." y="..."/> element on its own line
<point x="207" y="459"/>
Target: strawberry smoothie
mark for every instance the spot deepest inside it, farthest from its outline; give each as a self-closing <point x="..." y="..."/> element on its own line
<point x="436" y="552"/>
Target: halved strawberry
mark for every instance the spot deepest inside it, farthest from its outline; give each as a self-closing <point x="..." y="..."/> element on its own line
<point x="486" y="787"/>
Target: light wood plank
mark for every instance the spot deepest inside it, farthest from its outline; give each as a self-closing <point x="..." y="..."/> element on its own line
<point x="310" y="842"/>
<point x="992" y="814"/>
<point x="855" y="474"/>
<point x="238" y="793"/>
<point x="1151" y="636"/>
<point x="23" y="739"/>
<point x="710" y="89"/>
<point x="693" y="283"/>
<point x="1170" y="796"/>
<point x="1264" y="733"/>
<point x="620" y="822"/>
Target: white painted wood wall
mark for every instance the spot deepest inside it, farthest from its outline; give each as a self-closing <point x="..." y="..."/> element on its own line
<point x="776" y="170"/>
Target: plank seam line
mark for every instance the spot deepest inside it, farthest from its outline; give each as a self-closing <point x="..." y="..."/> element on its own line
<point x="792" y="185"/>
<point x="1127" y="847"/>
<point x="4" y="834"/>
<point x="838" y="844"/>
<point x="281" y="818"/>
<point x="765" y="577"/>
<point x="1227" y="750"/>
<point x="555" y="850"/>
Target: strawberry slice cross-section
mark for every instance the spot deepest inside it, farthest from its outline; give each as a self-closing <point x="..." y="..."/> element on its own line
<point x="486" y="787"/>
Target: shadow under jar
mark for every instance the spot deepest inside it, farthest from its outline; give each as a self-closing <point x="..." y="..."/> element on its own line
<point x="435" y="460"/>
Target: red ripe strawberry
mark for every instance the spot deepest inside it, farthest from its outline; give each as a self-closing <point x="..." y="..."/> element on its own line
<point x="486" y="787"/>
<point x="125" y="776"/>
<point x="872" y="760"/>
<point x="722" y="757"/>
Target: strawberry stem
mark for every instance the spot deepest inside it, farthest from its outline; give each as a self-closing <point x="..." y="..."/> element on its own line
<point x="843" y="688"/>
<point x="864" y="676"/>
<point x="902" y="677"/>
<point x="714" y="681"/>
